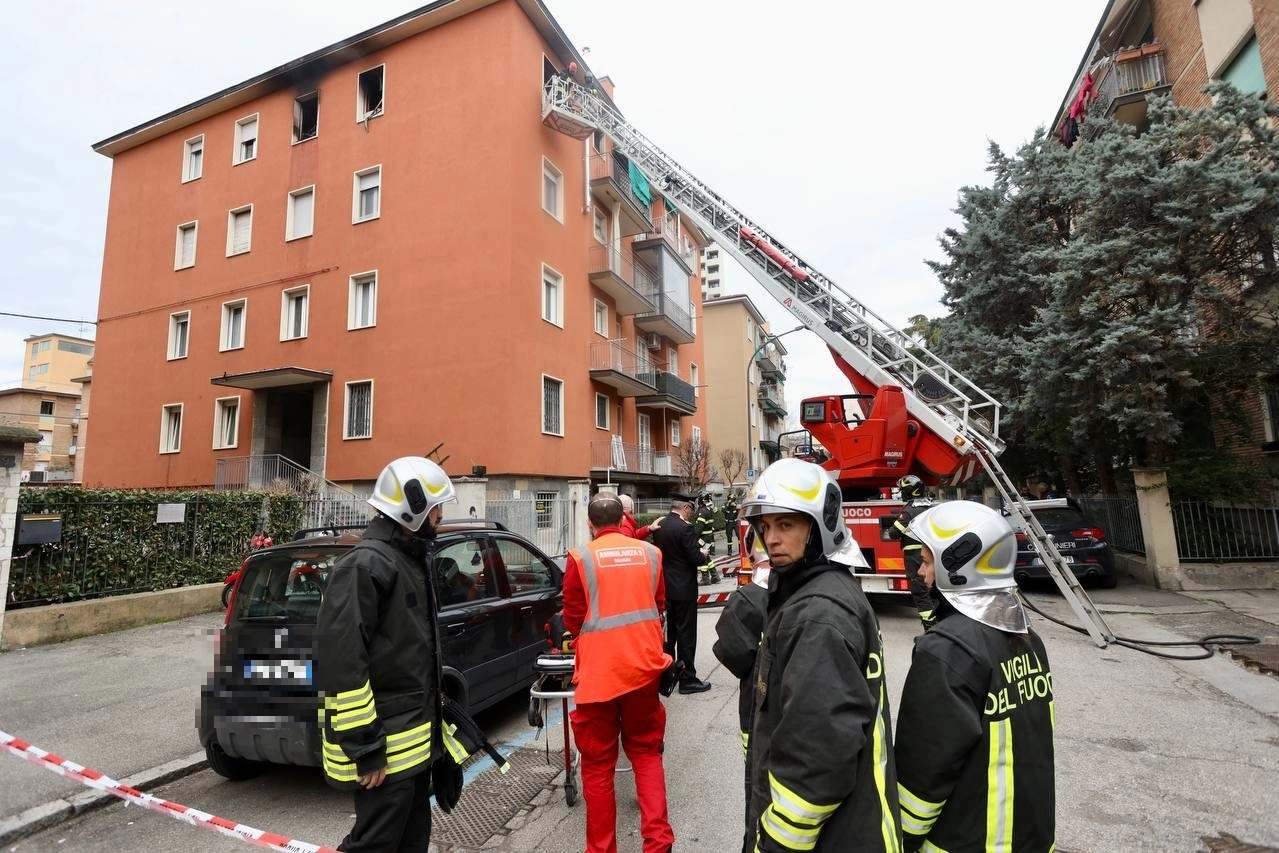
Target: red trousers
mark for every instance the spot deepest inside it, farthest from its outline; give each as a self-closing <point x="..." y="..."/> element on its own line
<point x="640" y="718"/>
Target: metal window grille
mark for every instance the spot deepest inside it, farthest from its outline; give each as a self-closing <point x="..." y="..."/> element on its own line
<point x="552" y="414"/>
<point x="359" y="410"/>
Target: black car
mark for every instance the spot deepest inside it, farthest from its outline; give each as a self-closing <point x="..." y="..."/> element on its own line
<point x="1082" y="544"/>
<point x="496" y="590"/>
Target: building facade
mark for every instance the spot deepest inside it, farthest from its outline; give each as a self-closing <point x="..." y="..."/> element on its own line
<point x="712" y="272"/>
<point x="55" y="415"/>
<point x="379" y="250"/>
<point x="1143" y="48"/>
<point x="52" y="361"/>
<point x="746" y="375"/>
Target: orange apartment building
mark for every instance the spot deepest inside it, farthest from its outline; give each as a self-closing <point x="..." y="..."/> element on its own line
<point x="1147" y="47"/>
<point x="378" y="248"/>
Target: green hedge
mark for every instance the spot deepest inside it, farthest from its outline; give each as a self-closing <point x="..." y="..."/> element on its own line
<point x="112" y="544"/>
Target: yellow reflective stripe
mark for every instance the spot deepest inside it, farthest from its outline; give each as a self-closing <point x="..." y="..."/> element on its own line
<point x="918" y="804"/>
<point x="930" y="847"/>
<point x="787" y="834"/>
<point x="408" y="737"/>
<point x="796" y="808"/>
<point x="348" y="699"/>
<point x="409" y="758"/>
<point x="999" y="788"/>
<point x="453" y="745"/>
<point x="353" y="719"/>
<point x="919" y="548"/>
<point x="746" y="742"/>
<point x="1052" y="715"/>
<point x="888" y="828"/>
<point x="336" y="763"/>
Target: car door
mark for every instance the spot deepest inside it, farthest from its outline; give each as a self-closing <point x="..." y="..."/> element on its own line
<point x="534" y="583"/>
<point x="475" y="617"/>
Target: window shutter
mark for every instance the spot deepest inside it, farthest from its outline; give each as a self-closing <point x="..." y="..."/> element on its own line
<point x="243" y="228"/>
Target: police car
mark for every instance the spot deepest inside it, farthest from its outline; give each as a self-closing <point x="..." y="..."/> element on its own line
<point x="1080" y="540"/>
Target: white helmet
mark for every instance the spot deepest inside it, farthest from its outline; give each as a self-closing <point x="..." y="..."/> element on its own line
<point x="793" y="485"/>
<point x="409" y="488"/>
<point x="974" y="550"/>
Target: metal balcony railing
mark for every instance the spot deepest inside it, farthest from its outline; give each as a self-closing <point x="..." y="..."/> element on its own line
<point x="618" y="455"/>
<point x="611" y="355"/>
<point x="770" y="363"/>
<point x="615" y="168"/>
<point x="770" y="395"/>
<point x="672" y="386"/>
<point x="608" y="258"/>
<point x="1128" y="72"/>
<point x="323" y="500"/>
<point x="668" y="308"/>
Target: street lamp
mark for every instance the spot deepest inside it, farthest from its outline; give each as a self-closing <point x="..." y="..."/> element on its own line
<point x="768" y="339"/>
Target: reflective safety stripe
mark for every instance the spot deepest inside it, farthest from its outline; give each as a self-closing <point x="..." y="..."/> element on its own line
<point x="746" y="742"/>
<point x="403" y="750"/>
<point x="918" y="814"/>
<point x="619" y="620"/>
<point x="348" y="699"/>
<point x="930" y="847"/>
<point x="353" y="719"/>
<point x="453" y="745"/>
<point x="1052" y="715"/>
<point x="796" y="808"/>
<point x="999" y="788"/>
<point x="787" y="834"/>
<point x="913" y="548"/>
<point x="888" y="827"/>
<point x="351" y="709"/>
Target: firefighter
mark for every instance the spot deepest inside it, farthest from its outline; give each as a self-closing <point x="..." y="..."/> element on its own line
<point x="821" y="756"/>
<point x="705" y="526"/>
<point x="377" y="667"/>
<point x="975" y="731"/>
<point x="730" y="523"/>
<point x="917" y="500"/>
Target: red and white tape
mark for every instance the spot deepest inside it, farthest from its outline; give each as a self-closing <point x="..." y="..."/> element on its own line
<point x="186" y="814"/>
<point x="713" y="598"/>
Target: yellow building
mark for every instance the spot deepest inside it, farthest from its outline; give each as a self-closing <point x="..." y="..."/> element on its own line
<point x="51" y="361"/>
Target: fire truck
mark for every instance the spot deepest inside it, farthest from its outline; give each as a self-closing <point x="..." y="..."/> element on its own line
<point x="910" y="413"/>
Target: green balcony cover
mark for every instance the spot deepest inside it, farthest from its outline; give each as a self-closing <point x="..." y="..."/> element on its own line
<point x="639" y="184"/>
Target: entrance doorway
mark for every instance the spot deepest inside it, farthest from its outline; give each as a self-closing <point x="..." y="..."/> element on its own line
<point x="287" y="430"/>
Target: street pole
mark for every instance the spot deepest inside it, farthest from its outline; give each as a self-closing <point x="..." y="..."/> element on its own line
<point x="750" y="364"/>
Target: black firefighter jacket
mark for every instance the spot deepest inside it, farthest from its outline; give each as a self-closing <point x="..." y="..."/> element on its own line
<point x="975" y="741"/>
<point x="821" y="753"/>
<point x="375" y="659"/>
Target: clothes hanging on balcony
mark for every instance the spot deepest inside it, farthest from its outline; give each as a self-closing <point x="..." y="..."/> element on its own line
<point x="639" y="184"/>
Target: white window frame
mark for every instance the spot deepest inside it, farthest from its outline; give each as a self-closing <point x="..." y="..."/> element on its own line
<point x="170" y="438"/>
<point x="600" y="225"/>
<point x="675" y="433"/>
<point x="194" y="227"/>
<point x="298" y="139"/>
<point x="176" y="320"/>
<point x="346" y="410"/>
<point x="193" y="159"/>
<point x="552" y="296"/>
<point x="289" y="298"/>
<point x="225" y="341"/>
<point x="291" y="230"/>
<point x="602" y="400"/>
<point x="362" y="110"/>
<point x="693" y="379"/>
<point x="231" y="251"/>
<point x="221" y="406"/>
<point x="542" y="410"/>
<point x="240" y="138"/>
<point x="352" y="305"/>
<point x="672" y="361"/>
<point x="355" y="194"/>
<point x="552" y="176"/>
<point x="696" y="434"/>
<point x="601" y="318"/>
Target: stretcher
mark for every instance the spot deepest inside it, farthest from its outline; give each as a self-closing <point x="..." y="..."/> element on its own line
<point x="555" y="681"/>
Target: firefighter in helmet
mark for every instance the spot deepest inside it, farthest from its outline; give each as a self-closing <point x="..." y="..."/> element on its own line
<point x="705" y="526"/>
<point x="976" y="712"/>
<point x="821" y="763"/>
<point x="916" y="497"/>
<point x="730" y="523"/>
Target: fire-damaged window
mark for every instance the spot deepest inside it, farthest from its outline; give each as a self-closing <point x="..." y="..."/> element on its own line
<point x="369" y="98"/>
<point x="306" y="116"/>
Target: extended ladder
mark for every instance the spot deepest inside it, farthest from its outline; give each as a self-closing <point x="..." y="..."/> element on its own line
<point x="938" y="396"/>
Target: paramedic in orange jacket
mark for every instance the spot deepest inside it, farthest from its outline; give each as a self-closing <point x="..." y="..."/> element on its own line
<point x="613" y="595"/>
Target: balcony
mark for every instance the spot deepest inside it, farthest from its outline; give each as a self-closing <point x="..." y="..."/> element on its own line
<point x="770" y="362"/>
<point x="618" y="455"/>
<point x="771" y="399"/>
<point x="1125" y="81"/>
<point x="629" y="373"/>
<point x="673" y="394"/>
<point x="614" y="274"/>
<point x="611" y="184"/>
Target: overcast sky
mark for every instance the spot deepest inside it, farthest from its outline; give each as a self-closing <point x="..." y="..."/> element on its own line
<point x="844" y="129"/>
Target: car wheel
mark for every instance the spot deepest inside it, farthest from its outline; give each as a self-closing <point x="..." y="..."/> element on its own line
<point x="226" y="594"/>
<point x="228" y="767"/>
<point x="1109" y="580"/>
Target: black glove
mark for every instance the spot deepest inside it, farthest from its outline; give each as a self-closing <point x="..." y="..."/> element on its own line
<point x="670" y="677"/>
<point x="446" y="781"/>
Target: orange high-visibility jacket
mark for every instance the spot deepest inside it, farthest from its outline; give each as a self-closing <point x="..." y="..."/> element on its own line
<point x="619" y="648"/>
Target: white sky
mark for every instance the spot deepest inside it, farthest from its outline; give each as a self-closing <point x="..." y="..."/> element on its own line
<point x="844" y="129"/>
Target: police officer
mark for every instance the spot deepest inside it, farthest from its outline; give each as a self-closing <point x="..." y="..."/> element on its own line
<point x="376" y="665"/>
<point x="975" y="731"/>
<point x="917" y="500"/>
<point x="821" y="757"/>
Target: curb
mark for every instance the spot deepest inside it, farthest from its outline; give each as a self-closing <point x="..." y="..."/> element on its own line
<point x="30" y="821"/>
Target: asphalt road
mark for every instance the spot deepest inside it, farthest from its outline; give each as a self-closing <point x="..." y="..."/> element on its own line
<point x="1151" y="754"/>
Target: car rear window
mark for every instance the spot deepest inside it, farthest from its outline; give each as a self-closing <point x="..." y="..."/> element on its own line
<point x="1059" y="517"/>
<point x="284" y="585"/>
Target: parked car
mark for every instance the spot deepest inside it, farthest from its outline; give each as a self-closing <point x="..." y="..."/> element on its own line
<point x="1081" y="541"/>
<point x="497" y="591"/>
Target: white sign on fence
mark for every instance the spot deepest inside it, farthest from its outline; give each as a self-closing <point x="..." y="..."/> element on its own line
<point x="170" y="513"/>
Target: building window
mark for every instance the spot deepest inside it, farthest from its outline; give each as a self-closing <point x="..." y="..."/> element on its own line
<point x="697" y="436"/>
<point x="546" y="509"/>
<point x="597" y="141"/>
<point x="692" y="380"/>
<point x="226" y="423"/>
<point x="233" y="324"/>
<point x="601" y="224"/>
<point x="45" y="446"/>
<point x="246" y="140"/>
<point x="239" y="230"/>
<point x="601" y="411"/>
<point x="306" y="117"/>
<point x="300" y="217"/>
<point x="1270" y="408"/>
<point x="552" y="406"/>
<point x="72" y="346"/>
<point x="171" y="428"/>
<point x="362" y="306"/>
<point x="37" y="370"/>
<point x="675" y="433"/>
<point x="294" y="305"/>
<point x="179" y="334"/>
<point x="193" y="158"/>
<point x="367" y="203"/>
<point x="552" y="296"/>
<point x="358" y="419"/>
<point x="601" y="319"/>
<point x="672" y="361"/>
<point x="184" y="253"/>
<point x="552" y="190"/>
<point x="368" y="100"/>
<point x="46" y="407"/>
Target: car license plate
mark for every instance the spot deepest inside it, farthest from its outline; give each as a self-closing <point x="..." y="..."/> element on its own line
<point x="1065" y="557"/>
<point x="279" y="670"/>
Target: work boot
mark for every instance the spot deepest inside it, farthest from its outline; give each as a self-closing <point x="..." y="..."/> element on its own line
<point x="694" y="685"/>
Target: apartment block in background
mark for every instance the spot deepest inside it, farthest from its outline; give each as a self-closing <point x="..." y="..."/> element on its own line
<point x="51" y="361"/>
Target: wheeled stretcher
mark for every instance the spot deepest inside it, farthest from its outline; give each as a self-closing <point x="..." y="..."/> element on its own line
<point x="555" y="681"/>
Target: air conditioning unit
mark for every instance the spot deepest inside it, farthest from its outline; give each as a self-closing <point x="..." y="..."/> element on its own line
<point x="653" y="340"/>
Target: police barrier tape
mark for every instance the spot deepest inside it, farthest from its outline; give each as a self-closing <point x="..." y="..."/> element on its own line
<point x="713" y="599"/>
<point x="195" y="817"/>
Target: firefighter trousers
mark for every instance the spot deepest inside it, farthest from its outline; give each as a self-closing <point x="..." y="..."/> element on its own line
<point x="640" y="719"/>
<point x="394" y="817"/>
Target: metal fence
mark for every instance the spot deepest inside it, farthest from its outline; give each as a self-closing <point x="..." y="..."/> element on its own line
<point x="545" y="522"/>
<point x="1118" y="516"/>
<point x="1216" y="533"/>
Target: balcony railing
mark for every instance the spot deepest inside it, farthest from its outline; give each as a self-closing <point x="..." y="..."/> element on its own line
<point x="611" y="179"/>
<point x="630" y="372"/>
<point x="618" y="455"/>
<point x="668" y="318"/>
<point x="614" y="273"/>
<point x="770" y="396"/>
<point x="1129" y="77"/>
<point x="770" y="363"/>
<point x="672" y="393"/>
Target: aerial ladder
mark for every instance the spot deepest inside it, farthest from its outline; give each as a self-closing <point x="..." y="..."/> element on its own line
<point x="958" y="418"/>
